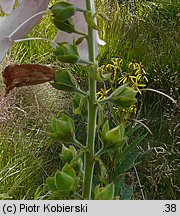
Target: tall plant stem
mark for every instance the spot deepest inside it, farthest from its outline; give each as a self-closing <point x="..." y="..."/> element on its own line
<point x="92" y="112"/>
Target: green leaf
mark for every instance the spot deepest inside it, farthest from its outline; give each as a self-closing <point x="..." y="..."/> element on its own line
<point x="126" y="192"/>
<point x="122" y="189"/>
<point x="119" y="183"/>
<point x="130" y="148"/>
<point x="132" y="130"/>
<point x="126" y="164"/>
<point x="90" y="20"/>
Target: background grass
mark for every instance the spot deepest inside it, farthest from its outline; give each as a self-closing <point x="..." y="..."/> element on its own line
<point x="148" y="31"/>
<point x="145" y="30"/>
<point x="27" y="155"/>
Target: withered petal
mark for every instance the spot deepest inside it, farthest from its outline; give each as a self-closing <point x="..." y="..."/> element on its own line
<point x="26" y="74"/>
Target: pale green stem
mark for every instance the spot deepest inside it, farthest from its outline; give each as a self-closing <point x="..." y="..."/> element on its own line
<point x="92" y="112"/>
<point x="81" y="92"/>
<point x="78" y="144"/>
<point x="100" y="152"/>
<point x="105" y="100"/>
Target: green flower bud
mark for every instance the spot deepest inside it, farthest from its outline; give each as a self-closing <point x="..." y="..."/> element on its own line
<point x="77" y="165"/>
<point x="65" y="81"/>
<point x="75" y="184"/>
<point x="123" y="96"/>
<point x="67" y="53"/>
<point x="113" y="138"/>
<point x="51" y="184"/>
<point x="62" y="130"/>
<point x="62" y="11"/>
<point x="105" y="193"/>
<point x="69" y="27"/>
<point x="63" y="181"/>
<point x="65" y="26"/>
<point x="68" y="154"/>
<point x="67" y="168"/>
<point x="105" y="129"/>
<point x="79" y="103"/>
<point x="66" y="180"/>
<point x="115" y="134"/>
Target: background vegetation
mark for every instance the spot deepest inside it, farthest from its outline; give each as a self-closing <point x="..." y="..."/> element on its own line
<point x="147" y="31"/>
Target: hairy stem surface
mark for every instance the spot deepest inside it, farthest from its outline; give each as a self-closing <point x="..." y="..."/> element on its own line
<point x="92" y="113"/>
